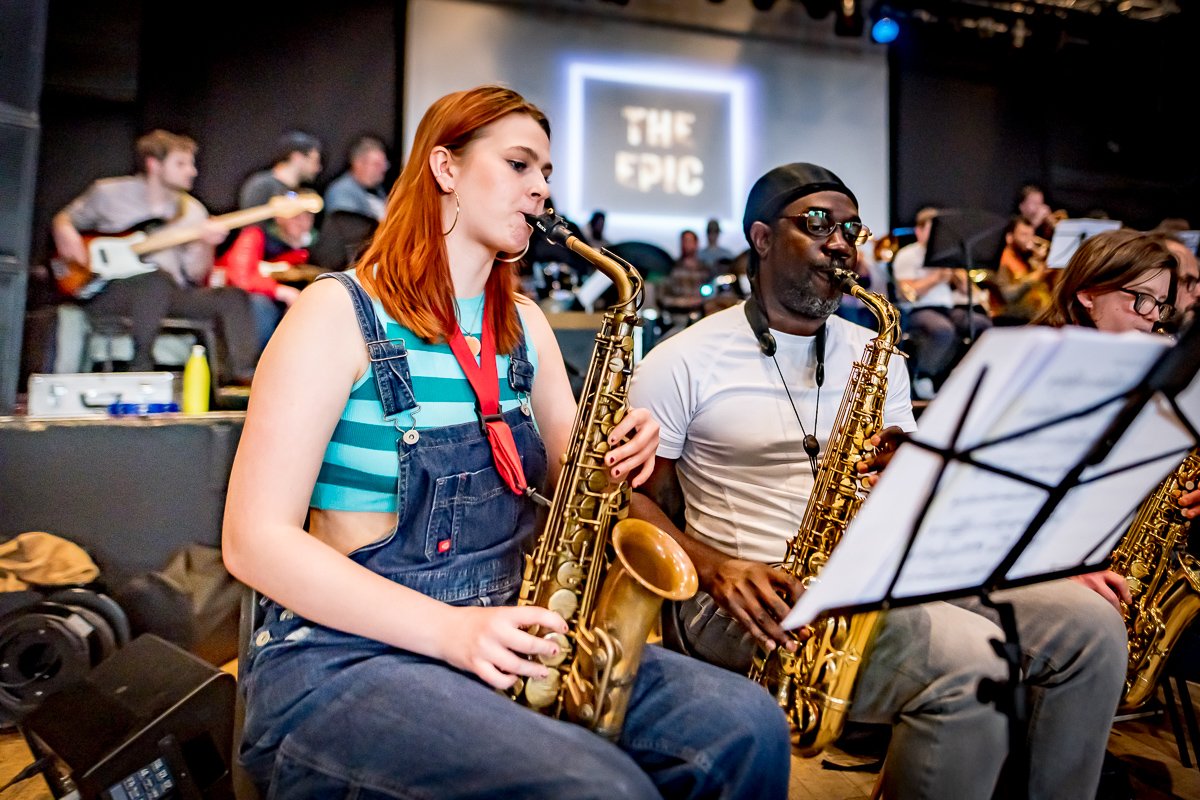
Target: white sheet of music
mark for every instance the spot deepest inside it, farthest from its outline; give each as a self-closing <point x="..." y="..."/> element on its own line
<point x="1033" y="375"/>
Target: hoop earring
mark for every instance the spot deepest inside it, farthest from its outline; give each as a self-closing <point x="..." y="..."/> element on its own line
<point x="515" y="258"/>
<point x="457" y="209"/>
<point x="520" y="255"/>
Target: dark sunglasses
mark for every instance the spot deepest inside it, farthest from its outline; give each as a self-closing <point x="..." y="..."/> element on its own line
<point x="817" y="222"/>
<point x="1144" y="303"/>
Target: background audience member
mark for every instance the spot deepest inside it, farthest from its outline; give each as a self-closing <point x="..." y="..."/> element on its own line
<point x="297" y="162"/>
<point x="595" y="230"/>
<point x="282" y="241"/>
<point x="937" y="328"/>
<point x="167" y="164"/>
<point x="359" y="190"/>
<point x="1022" y="276"/>
<point x="682" y="289"/>
<point x="713" y="254"/>
<point x="1032" y="205"/>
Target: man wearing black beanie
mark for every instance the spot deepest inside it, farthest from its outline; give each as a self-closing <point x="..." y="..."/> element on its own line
<point x="745" y="400"/>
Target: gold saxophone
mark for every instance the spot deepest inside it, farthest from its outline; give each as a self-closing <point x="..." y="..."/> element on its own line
<point x="610" y="602"/>
<point x="814" y="684"/>
<point x="1164" y="581"/>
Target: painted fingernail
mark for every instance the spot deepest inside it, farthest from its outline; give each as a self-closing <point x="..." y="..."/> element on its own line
<point x="616" y="472"/>
<point x="611" y="460"/>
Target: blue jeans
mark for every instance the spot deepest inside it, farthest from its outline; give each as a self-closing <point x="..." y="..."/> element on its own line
<point x="330" y="714"/>
<point x="389" y="724"/>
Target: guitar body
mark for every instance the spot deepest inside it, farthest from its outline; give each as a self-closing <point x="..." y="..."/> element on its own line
<point x="110" y="257"/>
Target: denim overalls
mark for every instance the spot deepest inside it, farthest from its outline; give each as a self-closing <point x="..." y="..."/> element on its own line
<point x="330" y="714"/>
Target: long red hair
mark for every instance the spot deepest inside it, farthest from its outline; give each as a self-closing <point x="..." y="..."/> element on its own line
<point x="406" y="265"/>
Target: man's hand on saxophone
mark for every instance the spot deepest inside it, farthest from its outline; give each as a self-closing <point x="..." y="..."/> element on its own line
<point x="758" y="596"/>
<point x="884" y="443"/>
<point x="1190" y="503"/>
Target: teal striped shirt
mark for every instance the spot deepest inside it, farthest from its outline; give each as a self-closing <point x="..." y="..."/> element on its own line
<point x="360" y="466"/>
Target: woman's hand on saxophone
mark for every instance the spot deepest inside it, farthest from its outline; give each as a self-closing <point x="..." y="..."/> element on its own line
<point x="758" y="596"/>
<point x="635" y="454"/>
<point x="493" y="643"/>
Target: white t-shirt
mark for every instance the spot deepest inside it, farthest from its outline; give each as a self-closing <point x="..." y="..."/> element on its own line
<point x="909" y="265"/>
<point x="725" y="417"/>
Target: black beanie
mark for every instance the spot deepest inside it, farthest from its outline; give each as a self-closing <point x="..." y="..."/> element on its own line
<point x="774" y="191"/>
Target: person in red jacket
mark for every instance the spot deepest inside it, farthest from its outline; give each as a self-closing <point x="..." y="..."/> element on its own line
<point x="282" y="240"/>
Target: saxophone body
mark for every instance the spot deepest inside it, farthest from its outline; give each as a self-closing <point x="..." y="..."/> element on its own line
<point x="606" y="575"/>
<point x="814" y="685"/>
<point x="1163" y="580"/>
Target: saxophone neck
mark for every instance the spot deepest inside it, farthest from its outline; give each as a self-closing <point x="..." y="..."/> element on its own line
<point x="623" y="275"/>
<point x="886" y="315"/>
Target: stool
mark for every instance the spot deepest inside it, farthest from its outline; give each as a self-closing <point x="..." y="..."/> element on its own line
<point x="1187" y="731"/>
<point x="109" y="329"/>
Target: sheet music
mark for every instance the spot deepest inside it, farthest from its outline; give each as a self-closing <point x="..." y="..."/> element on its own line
<point x="1025" y="376"/>
<point x="1070" y="233"/>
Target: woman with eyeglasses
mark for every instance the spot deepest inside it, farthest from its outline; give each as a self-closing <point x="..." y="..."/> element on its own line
<point x="1117" y="281"/>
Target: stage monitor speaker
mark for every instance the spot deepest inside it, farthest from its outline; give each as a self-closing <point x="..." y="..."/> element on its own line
<point x="151" y="721"/>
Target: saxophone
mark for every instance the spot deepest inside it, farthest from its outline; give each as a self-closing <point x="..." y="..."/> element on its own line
<point x="610" y="604"/>
<point x="814" y="684"/>
<point x="1164" y="581"/>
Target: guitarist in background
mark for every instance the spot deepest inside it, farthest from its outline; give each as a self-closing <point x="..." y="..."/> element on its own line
<point x="159" y="192"/>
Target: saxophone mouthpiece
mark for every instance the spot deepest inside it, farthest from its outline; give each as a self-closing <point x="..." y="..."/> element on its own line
<point x="551" y="225"/>
<point x="847" y="279"/>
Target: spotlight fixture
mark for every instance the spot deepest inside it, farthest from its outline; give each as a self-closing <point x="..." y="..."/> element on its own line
<point x="885" y="30"/>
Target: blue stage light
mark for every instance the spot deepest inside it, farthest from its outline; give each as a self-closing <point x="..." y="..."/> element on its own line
<point x="885" y="30"/>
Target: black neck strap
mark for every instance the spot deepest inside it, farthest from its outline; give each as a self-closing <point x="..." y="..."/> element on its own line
<point x="756" y="315"/>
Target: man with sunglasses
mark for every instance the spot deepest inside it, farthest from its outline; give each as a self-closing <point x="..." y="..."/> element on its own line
<point x="745" y="400"/>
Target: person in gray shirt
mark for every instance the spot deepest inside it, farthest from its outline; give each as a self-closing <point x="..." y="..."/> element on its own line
<point x="359" y="189"/>
<point x="158" y="194"/>
<point x="297" y="161"/>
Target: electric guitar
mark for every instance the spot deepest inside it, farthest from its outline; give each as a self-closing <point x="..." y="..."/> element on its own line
<point x="112" y="256"/>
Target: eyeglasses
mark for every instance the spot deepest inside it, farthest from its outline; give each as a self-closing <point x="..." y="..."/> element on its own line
<point x="818" y="223"/>
<point x="1144" y="303"/>
<point x="1188" y="283"/>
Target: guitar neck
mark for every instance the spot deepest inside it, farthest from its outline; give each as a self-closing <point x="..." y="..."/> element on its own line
<point x="173" y="237"/>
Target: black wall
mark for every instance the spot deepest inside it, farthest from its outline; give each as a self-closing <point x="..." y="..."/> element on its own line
<point x="20" y="87"/>
<point x="1094" y="116"/>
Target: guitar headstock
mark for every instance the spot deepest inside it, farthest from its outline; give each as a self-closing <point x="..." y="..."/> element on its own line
<point x="293" y="203"/>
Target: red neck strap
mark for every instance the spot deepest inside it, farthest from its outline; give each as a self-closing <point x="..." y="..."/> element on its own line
<point x="486" y="384"/>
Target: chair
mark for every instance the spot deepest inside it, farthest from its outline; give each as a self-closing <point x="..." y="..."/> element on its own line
<point x="251" y="617"/>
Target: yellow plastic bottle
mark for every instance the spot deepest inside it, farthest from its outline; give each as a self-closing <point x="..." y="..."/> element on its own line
<point x="196" y="380"/>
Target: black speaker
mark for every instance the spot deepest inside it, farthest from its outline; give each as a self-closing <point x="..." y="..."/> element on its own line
<point x="151" y="721"/>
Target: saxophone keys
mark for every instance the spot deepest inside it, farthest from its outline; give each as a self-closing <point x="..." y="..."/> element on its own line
<point x="570" y="573"/>
<point x="564" y="650"/>
<point x="541" y="692"/>
<point x="564" y="603"/>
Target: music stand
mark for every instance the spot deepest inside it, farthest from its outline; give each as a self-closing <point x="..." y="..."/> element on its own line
<point x="1173" y="372"/>
<point x="966" y="239"/>
<point x="1069" y="234"/>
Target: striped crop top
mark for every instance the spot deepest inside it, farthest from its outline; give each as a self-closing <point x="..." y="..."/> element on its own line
<point x="360" y="467"/>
